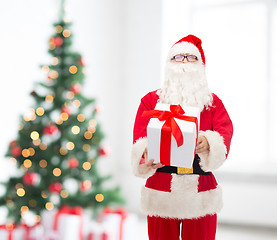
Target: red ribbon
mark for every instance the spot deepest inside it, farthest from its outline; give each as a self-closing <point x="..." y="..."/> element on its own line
<point x="170" y="126"/>
<point x="122" y="212"/>
<point x="69" y="210"/>
<point x="28" y="230"/>
<point x="104" y="236"/>
<point x="10" y="229"/>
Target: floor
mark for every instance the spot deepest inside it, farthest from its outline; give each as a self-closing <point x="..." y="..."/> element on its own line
<point x="226" y="232"/>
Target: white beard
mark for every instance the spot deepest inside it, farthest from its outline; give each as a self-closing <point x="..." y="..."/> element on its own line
<point x="185" y="84"/>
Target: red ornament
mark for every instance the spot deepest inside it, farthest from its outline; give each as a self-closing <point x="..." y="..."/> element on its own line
<point x="103" y="151"/>
<point x="30" y="178"/>
<point x="13" y="143"/>
<point x="97" y="109"/>
<point x="66" y="110"/>
<point x="72" y="163"/>
<point x="85" y="185"/>
<point x="81" y="62"/>
<point x="55" y="187"/>
<point x="15" y="151"/>
<point x="51" y="129"/>
<point x="76" y="88"/>
<point x="58" y="41"/>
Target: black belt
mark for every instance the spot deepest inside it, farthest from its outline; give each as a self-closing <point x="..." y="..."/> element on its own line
<point x="194" y="170"/>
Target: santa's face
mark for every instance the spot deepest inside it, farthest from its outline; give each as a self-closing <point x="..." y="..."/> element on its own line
<point x="185" y="83"/>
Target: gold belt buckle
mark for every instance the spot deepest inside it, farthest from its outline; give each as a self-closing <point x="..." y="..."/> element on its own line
<point x="181" y="170"/>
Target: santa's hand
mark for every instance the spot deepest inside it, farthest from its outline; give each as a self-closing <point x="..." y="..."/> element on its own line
<point x="202" y="145"/>
<point x="151" y="163"/>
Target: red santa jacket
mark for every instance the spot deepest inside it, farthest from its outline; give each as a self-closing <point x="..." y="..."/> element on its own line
<point x="183" y="196"/>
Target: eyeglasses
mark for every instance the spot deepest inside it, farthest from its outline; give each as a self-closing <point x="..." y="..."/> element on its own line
<point x="181" y="58"/>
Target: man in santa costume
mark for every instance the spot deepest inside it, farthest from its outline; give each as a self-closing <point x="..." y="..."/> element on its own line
<point x="177" y="202"/>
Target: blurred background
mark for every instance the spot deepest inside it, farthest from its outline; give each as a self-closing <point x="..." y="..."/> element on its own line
<point x="124" y="44"/>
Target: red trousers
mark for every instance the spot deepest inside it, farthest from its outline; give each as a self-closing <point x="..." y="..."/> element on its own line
<point x="203" y="228"/>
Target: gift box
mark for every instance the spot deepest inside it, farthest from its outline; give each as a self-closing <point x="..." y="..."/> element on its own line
<point x="63" y="224"/>
<point x="119" y="225"/>
<point x="98" y="231"/>
<point x="11" y="232"/>
<point x="21" y="232"/>
<point x="172" y="134"/>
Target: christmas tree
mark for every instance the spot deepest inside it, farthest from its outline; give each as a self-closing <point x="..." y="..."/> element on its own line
<point x="59" y="141"/>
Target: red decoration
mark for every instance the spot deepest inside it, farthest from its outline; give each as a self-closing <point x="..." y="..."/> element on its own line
<point x="170" y="127"/>
<point x="103" y="151"/>
<point x="30" y="178"/>
<point x="15" y="151"/>
<point x="58" y="41"/>
<point x="13" y="143"/>
<point x="81" y="62"/>
<point x="55" y="187"/>
<point x="51" y="129"/>
<point x="76" y="88"/>
<point x="66" y="110"/>
<point x="85" y="185"/>
<point x="72" y="163"/>
<point x="97" y="109"/>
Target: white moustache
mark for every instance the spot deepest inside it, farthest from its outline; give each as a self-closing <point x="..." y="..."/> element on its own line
<point x="186" y="84"/>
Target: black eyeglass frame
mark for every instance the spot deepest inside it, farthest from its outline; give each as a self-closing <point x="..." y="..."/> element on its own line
<point x="185" y="56"/>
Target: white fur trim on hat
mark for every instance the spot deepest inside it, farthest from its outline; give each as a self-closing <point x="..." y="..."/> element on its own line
<point x="140" y="170"/>
<point x="184" y="48"/>
<point x="217" y="155"/>
<point x="184" y="201"/>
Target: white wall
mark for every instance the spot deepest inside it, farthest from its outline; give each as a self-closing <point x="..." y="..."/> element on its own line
<point x="121" y="45"/>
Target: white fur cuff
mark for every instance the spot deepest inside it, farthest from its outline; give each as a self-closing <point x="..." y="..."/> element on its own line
<point x="183" y="202"/>
<point x="217" y="154"/>
<point x="140" y="170"/>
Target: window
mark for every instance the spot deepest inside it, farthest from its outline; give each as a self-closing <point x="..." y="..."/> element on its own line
<point x="238" y="39"/>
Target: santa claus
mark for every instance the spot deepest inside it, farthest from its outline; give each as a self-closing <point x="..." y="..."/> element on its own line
<point x="185" y="203"/>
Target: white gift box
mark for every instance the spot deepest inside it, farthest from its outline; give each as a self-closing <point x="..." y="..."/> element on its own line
<point x="68" y="226"/>
<point x="98" y="232"/>
<point x="17" y="234"/>
<point x="183" y="155"/>
<point x="112" y="225"/>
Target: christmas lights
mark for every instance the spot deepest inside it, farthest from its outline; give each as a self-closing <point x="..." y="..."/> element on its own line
<point x="99" y="197"/>
<point x="49" y="206"/>
<point x="57" y="172"/>
<point x="70" y="145"/>
<point x="73" y="69"/>
<point x="40" y="111"/>
<point x="66" y="33"/>
<point x="75" y="129"/>
<point x="34" y="135"/>
<point x="20" y="192"/>
<point x="81" y="117"/>
<point x="86" y="147"/>
<point x="86" y="166"/>
<point x="43" y="163"/>
<point x="49" y="98"/>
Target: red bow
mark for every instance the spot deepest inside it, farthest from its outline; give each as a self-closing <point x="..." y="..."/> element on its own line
<point x="170" y="126"/>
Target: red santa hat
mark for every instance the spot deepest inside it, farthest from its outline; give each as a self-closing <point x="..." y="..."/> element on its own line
<point x="188" y="45"/>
